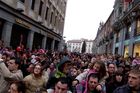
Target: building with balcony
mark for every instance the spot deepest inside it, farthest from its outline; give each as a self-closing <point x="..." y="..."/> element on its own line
<point x="120" y="34"/>
<point x="103" y="42"/>
<point x="33" y="23"/>
<point x="126" y="28"/>
<point x="76" y="45"/>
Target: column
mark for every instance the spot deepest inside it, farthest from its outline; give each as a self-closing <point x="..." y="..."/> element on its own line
<point x="30" y="40"/>
<point x="44" y="42"/>
<point x="132" y="38"/>
<point x="27" y="6"/>
<point x="52" y="45"/>
<point x="60" y="45"/>
<point x="120" y="51"/>
<point x="6" y="33"/>
<point x="123" y="39"/>
<point x="114" y="44"/>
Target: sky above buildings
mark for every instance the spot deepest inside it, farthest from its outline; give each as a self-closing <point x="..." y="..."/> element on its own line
<point x="83" y="17"/>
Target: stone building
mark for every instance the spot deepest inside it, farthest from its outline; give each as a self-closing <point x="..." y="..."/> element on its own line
<point x="34" y="23"/>
<point x="76" y="45"/>
<point x="122" y="30"/>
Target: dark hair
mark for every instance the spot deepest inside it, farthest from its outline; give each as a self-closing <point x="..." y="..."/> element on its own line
<point x="17" y="61"/>
<point x="111" y="63"/>
<point x="64" y="80"/>
<point x="118" y="72"/>
<point x="20" y="86"/>
<point x="135" y="70"/>
<point x="102" y="70"/>
<point x="93" y="75"/>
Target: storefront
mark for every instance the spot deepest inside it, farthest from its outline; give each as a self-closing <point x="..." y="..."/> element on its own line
<point x="126" y="51"/>
<point x="19" y="36"/>
<point x="136" y="49"/>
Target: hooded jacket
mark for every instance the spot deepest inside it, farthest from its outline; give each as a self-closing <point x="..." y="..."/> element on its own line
<point x="59" y="73"/>
<point x="82" y="87"/>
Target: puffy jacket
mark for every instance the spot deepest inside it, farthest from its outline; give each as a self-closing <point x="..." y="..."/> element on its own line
<point x="124" y="89"/>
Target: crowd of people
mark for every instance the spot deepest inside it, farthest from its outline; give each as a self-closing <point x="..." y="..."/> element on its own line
<point x="44" y="71"/>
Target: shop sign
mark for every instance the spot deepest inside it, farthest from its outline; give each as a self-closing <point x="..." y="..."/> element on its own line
<point x="126" y="42"/>
<point x="137" y="39"/>
<point x="23" y="23"/>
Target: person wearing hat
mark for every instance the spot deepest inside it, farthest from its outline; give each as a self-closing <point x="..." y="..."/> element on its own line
<point x="62" y="71"/>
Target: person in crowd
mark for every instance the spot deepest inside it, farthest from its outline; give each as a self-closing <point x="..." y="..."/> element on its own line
<point x="133" y="85"/>
<point x="111" y="68"/>
<point x="5" y="58"/>
<point x="121" y="68"/>
<point x="61" y="86"/>
<point x="62" y="70"/>
<point x="9" y="73"/>
<point x="74" y="72"/>
<point x="98" y="67"/>
<point x="116" y="81"/>
<point x="30" y="69"/>
<point x="36" y="80"/>
<point x="51" y="69"/>
<point x="17" y="87"/>
<point x="136" y="61"/>
<point x="88" y="86"/>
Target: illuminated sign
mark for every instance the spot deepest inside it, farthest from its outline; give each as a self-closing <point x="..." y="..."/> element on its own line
<point x="23" y="23"/>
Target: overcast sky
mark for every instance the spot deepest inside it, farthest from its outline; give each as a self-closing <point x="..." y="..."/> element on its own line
<point x="83" y="17"/>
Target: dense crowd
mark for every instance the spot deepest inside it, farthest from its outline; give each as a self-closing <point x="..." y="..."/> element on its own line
<point x="44" y="71"/>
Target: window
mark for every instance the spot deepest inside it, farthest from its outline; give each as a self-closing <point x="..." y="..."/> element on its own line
<point x="55" y="21"/>
<point x="40" y="7"/>
<point x="128" y="32"/>
<point x="22" y="1"/>
<point x="46" y="13"/>
<point x="51" y="17"/>
<point x="136" y="50"/>
<point x="33" y="4"/>
<point x="117" y="37"/>
<point x="138" y="27"/>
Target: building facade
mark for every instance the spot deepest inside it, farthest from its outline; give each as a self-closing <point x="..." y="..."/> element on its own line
<point x="76" y="45"/>
<point x="122" y="30"/>
<point x="103" y="42"/>
<point x="126" y="28"/>
<point x="33" y="23"/>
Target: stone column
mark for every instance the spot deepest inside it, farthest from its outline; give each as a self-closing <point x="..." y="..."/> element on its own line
<point x="114" y="43"/>
<point x="52" y="45"/>
<point x="121" y="43"/>
<point x="30" y="40"/>
<point x="6" y="33"/>
<point x="27" y="6"/>
<point x="132" y="38"/>
<point x="44" y="42"/>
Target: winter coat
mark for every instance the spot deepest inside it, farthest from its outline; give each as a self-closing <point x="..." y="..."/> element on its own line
<point x="59" y="73"/>
<point x="33" y="84"/>
<point x="6" y="77"/>
<point x="82" y="87"/>
<point x="83" y="76"/>
<point x="124" y="89"/>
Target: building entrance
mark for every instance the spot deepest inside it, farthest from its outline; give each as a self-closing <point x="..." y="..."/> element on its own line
<point x="19" y="36"/>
